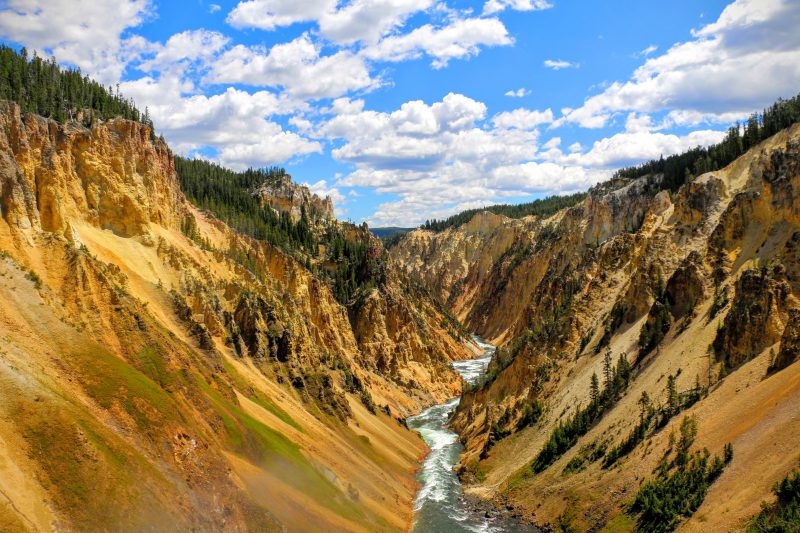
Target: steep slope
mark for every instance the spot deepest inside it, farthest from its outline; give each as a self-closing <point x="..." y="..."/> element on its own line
<point x="152" y="380"/>
<point x="693" y="296"/>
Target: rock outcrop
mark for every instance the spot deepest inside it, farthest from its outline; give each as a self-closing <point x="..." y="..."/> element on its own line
<point x="285" y="196"/>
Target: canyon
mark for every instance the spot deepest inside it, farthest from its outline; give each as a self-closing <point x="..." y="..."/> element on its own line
<point x="693" y="291"/>
<point x="153" y="380"/>
<point x="186" y="347"/>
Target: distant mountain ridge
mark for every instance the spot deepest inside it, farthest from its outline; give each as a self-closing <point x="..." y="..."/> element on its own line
<point x="388" y="231"/>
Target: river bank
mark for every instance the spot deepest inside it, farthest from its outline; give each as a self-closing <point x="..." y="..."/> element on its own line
<point x="441" y="505"/>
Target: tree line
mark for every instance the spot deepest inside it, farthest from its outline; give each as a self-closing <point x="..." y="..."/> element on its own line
<point x="353" y="264"/>
<point x="542" y="208"/>
<point x="229" y="195"/>
<point x="680" y="168"/>
<point x="566" y="434"/>
<point x="42" y="87"/>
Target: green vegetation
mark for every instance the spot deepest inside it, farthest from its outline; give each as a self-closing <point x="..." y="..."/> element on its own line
<point x="393" y="239"/>
<point x="62" y="446"/>
<point x="257" y="397"/>
<point x="566" y="434"/>
<point x="359" y="264"/>
<point x="40" y="86"/>
<point x="150" y="361"/>
<point x="111" y="382"/>
<point x="267" y="447"/>
<point x="34" y="277"/>
<point x="354" y="262"/>
<point x="680" y="168"/>
<point x="542" y="208"/>
<point x="389" y="231"/>
<point x="784" y="514"/>
<point x="514" y="418"/>
<point x="655" y="329"/>
<point x="680" y="485"/>
<point x="652" y="418"/>
<point x="531" y="413"/>
<point x="230" y="196"/>
<point x="588" y="454"/>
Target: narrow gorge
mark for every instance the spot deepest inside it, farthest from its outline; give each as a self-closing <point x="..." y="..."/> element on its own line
<point x="150" y="349"/>
<point x="638" y="317"/>
<point x="187" y="345"/>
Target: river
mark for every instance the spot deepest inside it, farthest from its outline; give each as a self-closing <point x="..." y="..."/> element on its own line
<point x="440" y="505"/>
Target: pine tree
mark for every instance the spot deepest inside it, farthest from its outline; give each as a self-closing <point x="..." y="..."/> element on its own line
<point x="595" y="388"/>
<point x="623" y="372"/>
<point x="608" y="371"/>
<point x="672" y="396"/>
<point x="644" y="405"/>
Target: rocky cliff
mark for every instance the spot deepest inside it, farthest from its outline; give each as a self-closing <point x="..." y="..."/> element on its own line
<point x="692" y="297"/>
<point x="283" y="195"/>
<point x="153" y="380"/>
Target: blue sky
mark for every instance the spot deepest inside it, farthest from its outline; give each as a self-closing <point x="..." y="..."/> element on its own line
<point x="404" y="110"/>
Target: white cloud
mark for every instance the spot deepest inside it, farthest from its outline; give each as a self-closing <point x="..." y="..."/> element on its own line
<point x="558" y="64"/>
<point x="555" y="142"/>
<point x="746" y="59"/>
<point x="358" y="20"/>
<point x="636" y="123"/>
<point x="441" y="158"/>
<point x="297" y="66"/>
<point x="523" y="119"/>
<point x="494" y="6"/>
<point x="192" y="45"/>
<point x="81" y="32"/>
<point x="519" y="93"/>
<point x="368" y="20"/>
<point x="436" y="157"/>
<point x="460" y="39"/>
<point x="236" y="123"/>
<point x="214" y="8"/>
<point x="647" y="51"/>
<point x="271" y="14"/>
<point x="629" y="148"/>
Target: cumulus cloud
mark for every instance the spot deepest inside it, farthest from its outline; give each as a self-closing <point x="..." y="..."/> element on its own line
<point x="460" y="39"/>
<point x="271" y="14"/>
<point x="297" y="66"/>
<point x="85" y="33"/>
<point x="630" y="147"/>
<point x="440" y="158"/>
<point x="523" y="119"/>
<point x="494" y="6"/>
<point x="702" y="79"/>
<point x="436" y="157"/>
<point x="235" y="123"/>
<point x="358" y="20"/>
<point x="187" y="46"/>
<point x="558" y="64"/>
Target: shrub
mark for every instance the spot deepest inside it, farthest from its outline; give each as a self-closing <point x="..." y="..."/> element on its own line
<point x="662" y="502"/>
<point x="784" y="514"/>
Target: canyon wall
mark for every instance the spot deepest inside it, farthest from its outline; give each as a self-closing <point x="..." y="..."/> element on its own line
<point x="150" y="380"/>
<point x="696" y="287"/>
